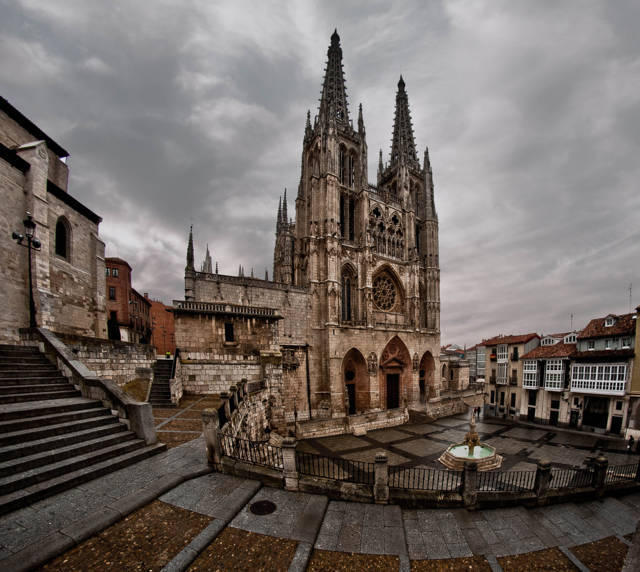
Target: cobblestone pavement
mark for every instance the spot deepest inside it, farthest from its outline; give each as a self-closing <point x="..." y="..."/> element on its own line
<point x="315" y="522"/>
<point x="521" y="446"/>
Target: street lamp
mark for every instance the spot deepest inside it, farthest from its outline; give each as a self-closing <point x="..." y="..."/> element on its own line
<point x="32" y="244"/>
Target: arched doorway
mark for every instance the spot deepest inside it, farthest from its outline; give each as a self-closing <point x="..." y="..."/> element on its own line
<point x="395" y="371"/>
<point x="426" y="377"/>
<point x="356" y="381"/>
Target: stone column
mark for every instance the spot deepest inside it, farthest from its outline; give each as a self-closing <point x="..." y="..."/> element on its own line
<point x="381" y="486"/>
<point x="211" y="426"/>
<point x="225" y="403"/>
<point x="289" y="464"/>
<point x="600" y="474"/>
<point x="543" y="478"/>
<point x="469" y="484"/>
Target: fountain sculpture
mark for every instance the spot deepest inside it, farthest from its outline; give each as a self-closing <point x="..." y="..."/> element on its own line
<point x="471" y="449"/>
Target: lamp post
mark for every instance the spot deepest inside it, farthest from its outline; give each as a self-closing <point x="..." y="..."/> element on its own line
<point x="32" y="244"/>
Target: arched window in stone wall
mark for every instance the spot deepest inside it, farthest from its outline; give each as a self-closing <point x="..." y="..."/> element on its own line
<point x="342" y="165"/>
<point x="387" y="235"/>
<point x="348" y="294"/>
<point x="63" y="238"/>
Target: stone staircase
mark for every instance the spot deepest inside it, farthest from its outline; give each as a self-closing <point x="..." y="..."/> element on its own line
<point x="160" y="395"/>
<point x="52" y="438"/>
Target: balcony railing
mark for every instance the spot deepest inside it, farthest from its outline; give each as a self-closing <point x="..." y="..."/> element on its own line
<point x="553" y="385"/>
<point x="492" y="379"/>
<point x="528" y="384"/>
<point x="598" y="387"/>
<point x="502" y="381"/>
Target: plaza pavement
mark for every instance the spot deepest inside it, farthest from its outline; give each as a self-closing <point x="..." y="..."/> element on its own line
<point x="180" y="477"/>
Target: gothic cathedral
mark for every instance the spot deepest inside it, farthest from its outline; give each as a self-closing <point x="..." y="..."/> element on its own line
<point x="356" y="279"/>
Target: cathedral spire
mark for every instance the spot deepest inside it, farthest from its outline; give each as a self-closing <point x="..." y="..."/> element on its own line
<point x="206" y="265"/>
<point x="333" y="103"/>
<point x="285" y="217"/>
<point x="307" y="127"/>
<point x="360" y="120"/>
<point x="380" y="164"/>
<point x="190" y="250"/>
<point x="403" y="147"/>
<point x="279" y="213"/>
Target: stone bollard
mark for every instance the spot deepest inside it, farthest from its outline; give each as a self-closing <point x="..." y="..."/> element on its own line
<point x="381" y="486"/>
<point x="470" y="484"/>
<point x="600" y="474"/>
<point x="211" y="427"/>
<point x="289" y="463"/>
<point x="225" y="402"/>
<point x="543" y="478"/>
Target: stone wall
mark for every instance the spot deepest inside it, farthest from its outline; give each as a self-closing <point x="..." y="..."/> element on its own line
<point x="118" y="361"/>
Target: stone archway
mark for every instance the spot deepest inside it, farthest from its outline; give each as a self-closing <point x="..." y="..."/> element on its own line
<point x="394" y="374"/>
<point x="427" y="377"/>
<point x="355" y="377"/>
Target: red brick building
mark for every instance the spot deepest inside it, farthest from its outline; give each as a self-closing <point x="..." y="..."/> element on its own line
<point x="162" y="327"/>
<point x="128" y="312"/>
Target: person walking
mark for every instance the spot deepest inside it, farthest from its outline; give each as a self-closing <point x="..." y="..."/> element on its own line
<point x="630" y="444"/>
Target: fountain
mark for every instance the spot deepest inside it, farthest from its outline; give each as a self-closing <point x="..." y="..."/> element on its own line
<point x="471" y="450"/>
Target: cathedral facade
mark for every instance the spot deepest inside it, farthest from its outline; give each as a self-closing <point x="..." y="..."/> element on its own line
<point x="351" y="320"/>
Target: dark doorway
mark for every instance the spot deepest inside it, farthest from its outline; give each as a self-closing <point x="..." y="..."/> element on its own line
<point x="573" y="420"/>
<point x="393" y="390"/>
<point x="531" y="414"/>
<point x="596" y="412"/>
<point x="423" y="396"/>
<point x="553" y="417"/>
<point x="616" y="425"/>
<point x="351" y="394"/>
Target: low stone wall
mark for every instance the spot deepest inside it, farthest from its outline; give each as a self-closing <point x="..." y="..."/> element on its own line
<point x="356" y="424"/>
<point x="446" y="406"/>
<point x="203" y="373"/>
<point x="118" y="361"/>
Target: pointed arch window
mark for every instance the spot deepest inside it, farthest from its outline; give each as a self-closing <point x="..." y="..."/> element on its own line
<point x="342" y="166"/>
<point x="348" y="297"/>
<point x="63" y="238"/>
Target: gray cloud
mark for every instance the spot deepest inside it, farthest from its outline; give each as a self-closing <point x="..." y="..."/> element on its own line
<point x="194" y="113"/>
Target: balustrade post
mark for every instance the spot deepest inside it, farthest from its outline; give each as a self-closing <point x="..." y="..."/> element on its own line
<point x="233" y="396"/>
<point x="470" y="484"/>
<point x="289" y="464"/>
<point x="381" y="486"/>
<point x="543" y="478"/>
<point x="600" y="474"/>
<point x="227" y="408"/>
<point x="211" y="427"/>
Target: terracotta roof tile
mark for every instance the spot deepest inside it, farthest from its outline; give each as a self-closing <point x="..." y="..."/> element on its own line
<point x="624" y="325"/>
<point x="555" y="351"/>
<point x="510" y="339"/>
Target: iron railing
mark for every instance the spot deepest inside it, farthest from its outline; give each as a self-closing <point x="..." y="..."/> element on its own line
<point x="621" y="473"/>
<point x="506" y="481"/>
<point x="251" y="451"/>
<point x="569" y="478"/>
<point x="335" y="468"/>
<point x="424" y="479"/>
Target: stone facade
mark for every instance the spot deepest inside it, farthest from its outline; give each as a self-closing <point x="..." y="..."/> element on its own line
<point x="118" y="361"/>
<point x="68" y="270"/>
<point x="356" y="277"/>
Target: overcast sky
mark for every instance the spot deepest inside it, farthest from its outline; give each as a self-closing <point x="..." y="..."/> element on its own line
<point x="193" y="112"/>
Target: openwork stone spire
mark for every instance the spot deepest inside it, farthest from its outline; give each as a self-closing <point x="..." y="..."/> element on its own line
<point x="403" y="147"/>
<point x="190" y="250"/>
<point x="333" y="104"/>
<point x="206" y="265"/>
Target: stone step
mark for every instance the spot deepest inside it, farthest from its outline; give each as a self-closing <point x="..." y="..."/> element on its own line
<point x="35" y="388"/>
<point x="9" y="369"/>
<point x="22" y="397"/>
<point x="29" y="495"/>
<point x="60" y="467"/>
<point x="18" y="349"/>
<point x="42" y="458"/>
<point x="23" y="449"/>
<point x="164" y="403"/>
<point x="20" y="355"/>
<point x="102" y="417"/>
<point x="5" y="382"/>
<point x="49" y="407"/>
<point x="23" y="360"/>
<point x="21" y="424"/>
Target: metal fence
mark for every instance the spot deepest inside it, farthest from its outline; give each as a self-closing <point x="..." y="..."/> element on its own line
<point x="251" y="451"/>
<point x="506" y="481"/>
<point x="567" y="478"/>
<point x="335" y="468"/>
<point x="418" y="478"/>
<point x="621" y="473"/>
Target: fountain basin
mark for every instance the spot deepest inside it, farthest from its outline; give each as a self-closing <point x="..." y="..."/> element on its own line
<point x="484" y="456"/>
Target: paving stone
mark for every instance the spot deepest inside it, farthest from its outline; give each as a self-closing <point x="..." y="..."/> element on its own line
<point x="394" y="541"/>
<point x="373" y="540"/>
<point x="459" y="550"/>
<point x="349" y="539"/>
<point x="435" y="546"/>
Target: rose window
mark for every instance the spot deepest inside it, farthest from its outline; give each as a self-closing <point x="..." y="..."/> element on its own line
<point x="384" y="293"/>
